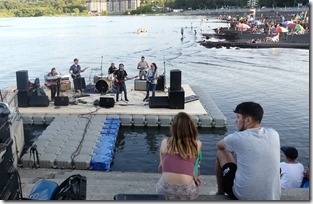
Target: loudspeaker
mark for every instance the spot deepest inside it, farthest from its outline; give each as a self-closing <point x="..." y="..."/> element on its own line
<point x="22" y="98"/>
<point x="159" y="102"/>
<point x="22" y="80"/>
<point x="175" y="79"/>
<point x="61" y="101"/>
<point x="106" y="102"/>
<point x="38" y="101"/>
<point x="161" y="83"/>
<point x="176" y="99"/>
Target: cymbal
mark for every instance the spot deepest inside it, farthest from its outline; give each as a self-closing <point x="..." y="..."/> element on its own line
<point x="95" y="69"/>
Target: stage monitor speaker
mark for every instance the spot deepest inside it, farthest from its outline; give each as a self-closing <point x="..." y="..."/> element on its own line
<point x="106" y="102"/>
<point x="22" y="98"/>
<point x="176" y="99"/>
<point x="38" y="101"/>
<point x="61" y="101"/>
<point x="158" y="102"/>
<point x="175" y="79"/>
<point x="161" y="83"/>
<point x="22" y="80"/>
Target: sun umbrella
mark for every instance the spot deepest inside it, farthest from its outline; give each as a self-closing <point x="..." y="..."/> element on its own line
<point x="286" y="22"/>
<point x="298" y="17"/>
<point x="291" y="25"/>
<point x="299" y="27"/>
<point x="255" y="22"/>
<point x="279" y="30"/>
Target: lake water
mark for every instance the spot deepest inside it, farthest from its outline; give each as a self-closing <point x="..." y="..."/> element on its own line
<point x="278" y="79"/>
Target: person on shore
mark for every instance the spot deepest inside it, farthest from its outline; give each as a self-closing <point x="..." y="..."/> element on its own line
<point x="178" y="154"/>
<point x="75" y="71"/>
<point x="152" y="80"/>
<point x="255" y="173"/>
<point x="120" y="76"/>
<point x="291" y="171"/>
<point x="53" y="84"/>
<point x="143" y="66"/>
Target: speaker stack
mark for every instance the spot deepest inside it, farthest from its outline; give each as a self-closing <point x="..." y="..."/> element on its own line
<point x="176" y="93"/>
<point x="22" y="87"/>
<point x="9" y="186"/>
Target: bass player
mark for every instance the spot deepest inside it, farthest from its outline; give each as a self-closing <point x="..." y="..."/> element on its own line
<point x="75" y="71"/>
<point x="120" y="76"/>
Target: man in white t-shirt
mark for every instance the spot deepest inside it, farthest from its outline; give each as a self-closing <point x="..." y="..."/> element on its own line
<point x="254" y="175"/>
<point x="142" y="66"/>
<point x="291" y="172"/>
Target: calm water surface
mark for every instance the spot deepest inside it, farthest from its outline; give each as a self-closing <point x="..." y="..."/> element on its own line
<point x="276" y="78"/>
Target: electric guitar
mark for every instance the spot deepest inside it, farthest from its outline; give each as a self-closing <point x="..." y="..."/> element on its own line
<point x="119" y="82"/>
<point x="74" y="76"/>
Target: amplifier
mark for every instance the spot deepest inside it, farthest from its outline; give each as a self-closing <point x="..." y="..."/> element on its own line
<point x="161" y="83"/>
<point x="65" y="86"/>
<point x="140" y="85"/>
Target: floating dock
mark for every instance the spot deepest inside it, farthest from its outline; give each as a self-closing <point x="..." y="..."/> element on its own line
<point x="82" y="135"/>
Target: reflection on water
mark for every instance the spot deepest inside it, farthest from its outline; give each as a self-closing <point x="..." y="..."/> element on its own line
<point x="137" y="149"/>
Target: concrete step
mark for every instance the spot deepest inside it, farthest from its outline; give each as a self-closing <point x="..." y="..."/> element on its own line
<point x="104" y="185"/>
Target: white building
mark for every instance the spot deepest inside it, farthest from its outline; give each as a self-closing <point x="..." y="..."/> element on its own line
<point x="112" y="6"/>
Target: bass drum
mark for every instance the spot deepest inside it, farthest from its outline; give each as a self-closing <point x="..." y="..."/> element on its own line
<point x="102" y="86"/>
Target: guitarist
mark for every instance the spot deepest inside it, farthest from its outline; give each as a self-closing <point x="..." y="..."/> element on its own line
<point x="75" y="71"/>
<point x="120" y="76"/>
<point x="152" y="80"/>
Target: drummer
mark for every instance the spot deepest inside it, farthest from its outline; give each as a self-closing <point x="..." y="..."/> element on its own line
<point x="111" y="70"/>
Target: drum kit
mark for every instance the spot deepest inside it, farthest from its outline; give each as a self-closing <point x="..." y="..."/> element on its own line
<point x="103" y="84"/>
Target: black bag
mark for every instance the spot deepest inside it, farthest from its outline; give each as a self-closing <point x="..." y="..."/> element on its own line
<point x="73" y="188"/>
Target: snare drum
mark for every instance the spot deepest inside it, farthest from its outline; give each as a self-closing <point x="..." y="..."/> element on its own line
<point x="103" y="86"/>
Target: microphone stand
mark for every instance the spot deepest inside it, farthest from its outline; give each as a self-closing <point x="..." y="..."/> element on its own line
<point x="101" y="66"/>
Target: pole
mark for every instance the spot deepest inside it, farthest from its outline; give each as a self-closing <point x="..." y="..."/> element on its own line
<point x="101" y="65"/>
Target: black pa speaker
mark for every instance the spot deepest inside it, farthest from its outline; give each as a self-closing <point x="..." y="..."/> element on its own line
<point x="161" y="83"/>
<point x="106" y="102"/>
<point x="22" y="80"/>
<point x="61" y="101"/>
<point x="38" y="101"/>
<point x="22" y="98"/>
<point x="176" y="99"/>
<point x="175" y="79"/>
<point x="158" y="102"/>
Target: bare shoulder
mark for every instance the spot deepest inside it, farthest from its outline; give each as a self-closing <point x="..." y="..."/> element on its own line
<point x="199" y="144"/>
<point x="164" y="144"/>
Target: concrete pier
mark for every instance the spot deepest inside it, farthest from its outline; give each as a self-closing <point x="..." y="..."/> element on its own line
<point x="104" y="185"/>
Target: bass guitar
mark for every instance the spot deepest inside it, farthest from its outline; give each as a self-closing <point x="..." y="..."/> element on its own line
<point x="119" y="82"/>
<point x="74" y="76"/>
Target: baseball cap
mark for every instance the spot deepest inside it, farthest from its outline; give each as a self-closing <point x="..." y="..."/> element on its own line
<point x="290" y="152"/>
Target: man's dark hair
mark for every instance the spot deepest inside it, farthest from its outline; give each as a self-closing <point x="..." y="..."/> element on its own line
<point x="251" y="109"/>
<point x="75" y="59"/>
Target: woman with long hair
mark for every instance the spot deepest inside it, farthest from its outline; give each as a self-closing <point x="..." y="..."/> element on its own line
<point x="178" y="155"/>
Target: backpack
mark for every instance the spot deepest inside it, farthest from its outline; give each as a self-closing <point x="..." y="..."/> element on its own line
<point x="72" y="188"/>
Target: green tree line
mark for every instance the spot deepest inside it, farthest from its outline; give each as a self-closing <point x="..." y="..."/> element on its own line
<point x="29" y="8"/>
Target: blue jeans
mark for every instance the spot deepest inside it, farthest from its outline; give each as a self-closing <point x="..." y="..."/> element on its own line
<point x="149" y="85"/>
<point x="119" y="89"/>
